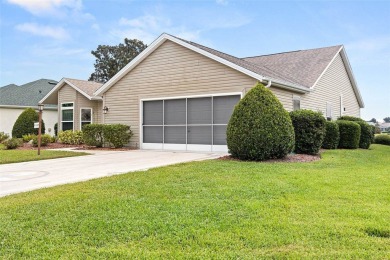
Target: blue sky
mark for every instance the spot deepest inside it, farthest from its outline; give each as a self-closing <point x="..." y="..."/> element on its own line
<point x="53" y="38"/>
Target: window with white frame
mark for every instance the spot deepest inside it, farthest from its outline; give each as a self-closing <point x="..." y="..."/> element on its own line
<point x="328" y="111"/>
<point x="85" y="116"/>
<point x="66" y="116"/>
<point x="296" y="102"/>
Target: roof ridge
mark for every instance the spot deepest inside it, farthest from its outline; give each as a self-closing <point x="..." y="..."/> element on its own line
<point x="284" y="52"/>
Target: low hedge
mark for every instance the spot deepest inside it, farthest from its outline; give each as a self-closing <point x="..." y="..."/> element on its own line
<point x="13" y="143"/>
<point x="3" y="137"/>
<point x="70" y="137"/>
<point x="332" y="135"/>
<point x="365" y="135"/>
<point x="349" y="134"/>
<point x="93" y="135"/>
<point x="45" y="139"/>
<point x="117" y="134"/>
<point x="350" y="118"/>
<point x="382" y="139"/>
<point x="309" y="128"/>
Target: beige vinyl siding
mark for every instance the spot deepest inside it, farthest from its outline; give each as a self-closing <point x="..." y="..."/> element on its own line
<point x="170" y="71"/>
<point x="68" y="94"/>
<point x="333" y="83"/>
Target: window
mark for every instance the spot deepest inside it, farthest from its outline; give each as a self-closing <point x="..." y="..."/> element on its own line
<point x="328" y="111"/>
<point x="342" y="109"/>
<point x="296" y="102"/>
<point x="66" y="116"/>
<point x="85" y="116"/>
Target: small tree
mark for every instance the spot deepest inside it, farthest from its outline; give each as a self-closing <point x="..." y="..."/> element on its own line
<point x="387" y="119"/>
<point x="25" y="123"/>
<point x="373" y="120"/>
<point x="260" y="128"/>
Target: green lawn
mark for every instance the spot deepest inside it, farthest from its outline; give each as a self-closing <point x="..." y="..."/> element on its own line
<point x="335" y="208"/>
<point x="13" y="156"/>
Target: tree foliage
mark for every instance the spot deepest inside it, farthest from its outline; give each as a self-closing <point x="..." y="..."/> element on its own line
<point x="373" y="120"/>
<point x="111" y="59"/>
<point x="387" y="119"/>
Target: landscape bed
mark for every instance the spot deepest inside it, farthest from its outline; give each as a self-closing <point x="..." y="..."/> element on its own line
<point x="336" y="207"/>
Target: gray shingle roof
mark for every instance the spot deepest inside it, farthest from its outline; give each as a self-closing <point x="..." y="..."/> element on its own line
<point x="303" y="67"/>
<point x="297" y="67"/>
<point x="28" y="94"/>
<point x="88" y="87"/>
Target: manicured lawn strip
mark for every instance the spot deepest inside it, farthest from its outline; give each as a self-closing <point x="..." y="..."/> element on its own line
<point x="338" y="207"/>
<point x="14" y="156"/>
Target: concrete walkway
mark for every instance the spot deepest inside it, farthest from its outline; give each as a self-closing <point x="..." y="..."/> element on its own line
<point x="26" y="176"/>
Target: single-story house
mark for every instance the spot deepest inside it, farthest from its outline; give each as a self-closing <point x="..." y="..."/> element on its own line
<point x="385" y="127"/>
<point x="179" y="95"/>
<point x="15" y="99"/>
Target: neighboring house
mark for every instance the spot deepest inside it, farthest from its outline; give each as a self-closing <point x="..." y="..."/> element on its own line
<point x="179" y="95"/>
<point x="15" y="99"/>
<point x="385" y="127"/>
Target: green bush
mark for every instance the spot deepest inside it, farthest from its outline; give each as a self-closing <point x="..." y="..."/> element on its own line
<point x="260" y="128"/>
<point x="3" y="137"/>
<point x="332" y="135"/>
<point x="117" y="134"/>
<point x="365" y="135"/>
<point x="382" y="139"/>
<point x="28" y="137"/>
<point x="71" y="137"/>
<point x="45" y="139"/>
<point x="13" y="143"/>
<point x="350" y="118"/>
<point x="93" y="134"/>
<point x="309" y="128"/>
<point x="25" y="123"/>
<point x="373" y="132"/>
<point x="349" y="134"/>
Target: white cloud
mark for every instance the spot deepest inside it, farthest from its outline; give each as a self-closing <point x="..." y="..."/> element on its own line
<point x="57" y="33"/>
<point x="146" y="28"/>
<point x="44" y="7"/>
<point x="222" y="2"/>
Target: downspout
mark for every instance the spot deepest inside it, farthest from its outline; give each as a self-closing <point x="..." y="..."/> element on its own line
<point x="269" y="84"/>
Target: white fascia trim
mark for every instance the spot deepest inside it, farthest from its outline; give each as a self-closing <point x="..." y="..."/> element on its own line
<point x="352" y="78"/>
<point x="35" y="107"/>
<point x="160" y="40"/>
<point x="298" y="89"/>
<point x="327" y="67"/>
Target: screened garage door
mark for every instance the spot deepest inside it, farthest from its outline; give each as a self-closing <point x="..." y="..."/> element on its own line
<point x="194" y="124"/>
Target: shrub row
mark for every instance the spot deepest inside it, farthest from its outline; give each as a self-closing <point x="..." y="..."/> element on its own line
<point x="70" y="137"/>
<point x="3" y="137"/>
<point x="332" y="135"/>
<point x="349" y="134"/>
<point x="116" y="135"/>
<point x="309" y="128"/>
<point x="13" y="143"/>
<point x="382" y="139"/>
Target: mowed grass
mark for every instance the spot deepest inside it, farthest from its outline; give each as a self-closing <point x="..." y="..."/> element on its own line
<point x="14" y="156"/>
<point x="335" y="208"/>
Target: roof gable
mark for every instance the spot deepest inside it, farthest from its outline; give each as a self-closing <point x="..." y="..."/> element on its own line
<point x="86" y="88"/>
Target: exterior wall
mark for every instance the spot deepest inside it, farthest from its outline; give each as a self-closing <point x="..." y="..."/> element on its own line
<point x="68" y="94"/>
<point x="8" y="118"/>
<point x="170" y="71"/>
<point x="333" y="83"/>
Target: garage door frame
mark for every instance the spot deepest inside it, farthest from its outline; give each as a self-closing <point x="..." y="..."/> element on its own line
<point x="182" y="147"/>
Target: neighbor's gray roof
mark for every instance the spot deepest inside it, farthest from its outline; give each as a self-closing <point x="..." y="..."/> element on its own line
<point x="88" y="87"/>
<point x="297" y="67"/>
<point x="28" y="94"/>
<point x="303" y="67"/>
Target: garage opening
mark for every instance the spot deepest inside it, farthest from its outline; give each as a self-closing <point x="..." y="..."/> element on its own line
<point x="193" y="123"/>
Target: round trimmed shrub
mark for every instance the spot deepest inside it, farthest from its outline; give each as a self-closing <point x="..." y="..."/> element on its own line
<point x="309" y="128"/>
<point x="349" y="134"/>
<point x="332" y="135"/>
<point x="350" y="118"/>
<point x="25" y="123"/>
<point x="365" y="135"/>
<point x="260" y="128"/>
<point x="382" y="139"/>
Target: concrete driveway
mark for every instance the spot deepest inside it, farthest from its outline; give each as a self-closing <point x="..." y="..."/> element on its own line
<point x="26" y="176"/>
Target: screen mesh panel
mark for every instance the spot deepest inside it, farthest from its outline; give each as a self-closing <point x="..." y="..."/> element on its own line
<point x="199" y="134"/>
<point x="153" y="112"/>
<point x="219" y="134"/>
<point x="175" y="112"/>
<point x="153" y="134"/>
<point x="223" y="108"/>
<point x="174" y="134"/>
<point x="199" y="110"/>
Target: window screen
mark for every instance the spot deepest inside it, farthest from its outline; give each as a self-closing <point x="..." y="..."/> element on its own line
<point x="296" y="103"/>
<point x="153" y="112"/>
<point x="153" y="134"/>
<point x="199" y="134"/>
<point x="223" y="108"/>
<point x="219" y="134"/>
<point x="199" y="110"/>
<point x="174" y="134"/>
<point x="329" y="111"/>
<point x="175" y="112"/>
